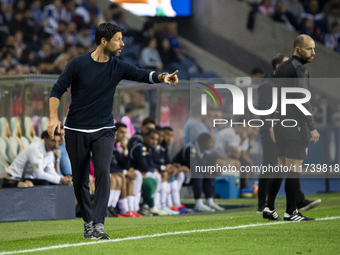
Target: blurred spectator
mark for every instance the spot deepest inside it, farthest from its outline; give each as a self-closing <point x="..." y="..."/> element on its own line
<point x="266" y="8"/>
<point x="130" y="113"/>
<point x="334" y="16"/>
<point x="167" y="54"/>
<point x="37" y="13"/>
<point x="52" y="17"/>
<point x="126" y="99"/>
<point x="108" y="16"/>
<point x="16" y="23"/>
<point x="119" y="20"/>
<point x="46" y="53"/>
<point x="149" y="57"/>
<point x="256" y="73"/>
<point x="295" y="8"/>
<point x="84" y="37"/>
<point x="316" y="15"/>
<point x="71" y="34"/>
<point x="172" y="35"/>
<point x="3" y="19"/>
<point x="332" y="38"/>
<point x="82" y="16"/>
<point x="31" y="31"/>
<point x="12" y="71"/>
<point x="58" y="41"/>
<point x="27" y="57"/>
<point x="114" y="8"/>
<point x="148" y="29"/>
<point x="7" y="7"/>
<point x="92" y="8"/>
<point x="328" y="6"/>
<point x="94" y="24"/>
<point x="143" y="106"/>
<point x="284" y="16"/>
<point x="67" y="11"/>
<point x="2" y="70"/>
<point x="19" y="6"/>
<point x="311" y="28"/>
<point x="19" y="43"/>
<point x="7" y="60"/>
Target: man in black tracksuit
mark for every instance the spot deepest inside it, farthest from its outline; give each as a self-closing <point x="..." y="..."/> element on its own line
<point x="268" y="141"/>
<point x="292" y="142"/>
<point x="89" y="125"/>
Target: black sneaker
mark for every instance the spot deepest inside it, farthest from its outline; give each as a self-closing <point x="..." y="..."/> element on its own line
<point x="99" y="232"/>
<point x="111" y="212"/>
<point x="296" y="216"/>
<point x="88" y="229"/>
<point x="271" y="215"/>
<point x="306" y="205"/>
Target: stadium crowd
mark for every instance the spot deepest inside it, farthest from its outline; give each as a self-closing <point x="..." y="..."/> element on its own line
<point x="41" y="37"/>
<point x="316" y="18"/>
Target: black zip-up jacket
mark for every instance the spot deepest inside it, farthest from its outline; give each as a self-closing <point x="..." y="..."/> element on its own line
<point x="294" y="68"/>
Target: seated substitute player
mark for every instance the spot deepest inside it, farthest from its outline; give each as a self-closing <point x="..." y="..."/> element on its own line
<point x="160" y="160"/>
<point x="195" y="154"/>
<point x="123" y="178"/>
<point x="161" y="192"/>
<point x="182" y="173"/>
<point x="140" y="156"/>
<point x="35" y="165"/>
<point x="147" y="123"/>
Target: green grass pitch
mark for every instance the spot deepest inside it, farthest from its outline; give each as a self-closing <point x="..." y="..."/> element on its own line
<point x="319" y="237"/>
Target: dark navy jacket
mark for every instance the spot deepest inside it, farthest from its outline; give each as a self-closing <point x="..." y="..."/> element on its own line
<point x="93" y="85"/>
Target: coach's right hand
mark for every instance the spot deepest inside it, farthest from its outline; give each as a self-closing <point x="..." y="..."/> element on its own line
<point x="52" y="125"/>
<point x="315" y="136"/>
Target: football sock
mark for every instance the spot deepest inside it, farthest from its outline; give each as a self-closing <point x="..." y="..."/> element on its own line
<point x="274" y="187"/>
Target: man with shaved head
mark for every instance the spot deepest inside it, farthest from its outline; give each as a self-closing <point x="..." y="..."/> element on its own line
<point x="292" y="142"/>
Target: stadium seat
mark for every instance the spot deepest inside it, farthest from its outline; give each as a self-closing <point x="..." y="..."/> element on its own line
<point x="6" y="135"/>
<point x="16" y="143"/>
<point x="4" y="150"/>
<point x="44" y="123"/>
<point x="3" y="169"/>
<point x="29" y="130"/>
<point x="3" y="166"/>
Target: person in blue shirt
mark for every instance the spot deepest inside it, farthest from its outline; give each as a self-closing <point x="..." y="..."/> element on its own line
<point x="63" y="159"/>
<point x="89" y="125"/>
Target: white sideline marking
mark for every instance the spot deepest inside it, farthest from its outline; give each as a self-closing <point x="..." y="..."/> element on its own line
<point x="155" y="235"/>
